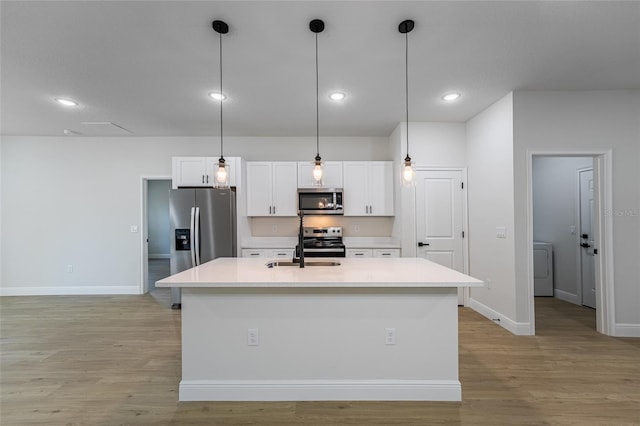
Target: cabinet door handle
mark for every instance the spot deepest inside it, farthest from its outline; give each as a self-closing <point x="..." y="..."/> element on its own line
<point x="370" y="209"/>
<point x="358" y="254"/>
<point x="207" y="178"/>
<point x="269" y="209"/>
<point x="422" y="244"/>
<point x="274" y="209"/>
<point x="202" y="178"/>
<point x="385" y="254"/>
<point x="255" y="254"/>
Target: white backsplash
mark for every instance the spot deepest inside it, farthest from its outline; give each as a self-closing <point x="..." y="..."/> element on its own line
<point x="351" y="226"/>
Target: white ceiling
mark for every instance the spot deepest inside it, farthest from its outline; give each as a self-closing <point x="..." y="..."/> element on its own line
<point x="148" y="66"/>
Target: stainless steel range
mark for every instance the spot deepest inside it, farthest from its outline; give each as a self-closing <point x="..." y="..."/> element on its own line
<point x="322" y="242"/>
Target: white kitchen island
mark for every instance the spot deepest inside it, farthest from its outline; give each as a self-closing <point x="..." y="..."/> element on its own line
<point x="368" y="329"/>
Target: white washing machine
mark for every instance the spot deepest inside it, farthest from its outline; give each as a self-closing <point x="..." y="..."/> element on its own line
<point x="542" y="269"/>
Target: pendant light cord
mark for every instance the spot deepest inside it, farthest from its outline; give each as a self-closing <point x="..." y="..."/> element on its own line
<point x="406" y="80"/>
<point x="221" y="100"/>
<point x="317" y="105"/>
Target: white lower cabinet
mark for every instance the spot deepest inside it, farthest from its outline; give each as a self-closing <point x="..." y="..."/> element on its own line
<point x="380" y="253"/>
<point x="284" y="253"/>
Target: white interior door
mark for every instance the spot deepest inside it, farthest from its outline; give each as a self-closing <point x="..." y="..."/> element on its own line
<point x="587" y="241"/>
<point x="439" y="219"/>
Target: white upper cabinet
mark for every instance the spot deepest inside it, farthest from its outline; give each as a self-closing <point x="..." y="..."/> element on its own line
<point x="199" y="171"/>
<point x="368" y="188"/>
<point x="272" y="188"/>
<point x="331" y="174"/>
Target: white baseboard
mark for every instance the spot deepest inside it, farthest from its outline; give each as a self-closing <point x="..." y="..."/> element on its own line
<point x="69" y="291"/>
<point x="320" y="390"/>
<point x="159" y="256"/>
<point x="517" y="328"/>
<point x="566" y="296"/>
<point x="627" y="330"/>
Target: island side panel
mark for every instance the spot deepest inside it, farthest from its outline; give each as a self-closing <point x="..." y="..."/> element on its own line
<point x="320" y="344"/>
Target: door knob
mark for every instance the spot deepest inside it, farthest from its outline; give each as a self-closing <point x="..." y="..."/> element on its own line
<point x="422" y="244"/>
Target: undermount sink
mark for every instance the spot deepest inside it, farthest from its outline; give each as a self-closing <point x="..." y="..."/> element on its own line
<point x="275" y="263"/>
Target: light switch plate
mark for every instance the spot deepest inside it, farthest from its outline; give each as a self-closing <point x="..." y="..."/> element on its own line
<point x="134" y="229"/>
<point x="501" y="232"/>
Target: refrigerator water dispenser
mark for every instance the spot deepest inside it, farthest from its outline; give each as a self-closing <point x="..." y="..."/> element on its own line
<point x="183" y="239"/>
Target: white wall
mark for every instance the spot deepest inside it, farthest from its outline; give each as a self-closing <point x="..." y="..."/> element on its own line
<point x="71" y="201"/>
<point x="431" y="145"/>
<point x="491" y="205"/>
<point x="591" y="120"/>
<point x="158" y="218"/>
<point x="555" y="211"/>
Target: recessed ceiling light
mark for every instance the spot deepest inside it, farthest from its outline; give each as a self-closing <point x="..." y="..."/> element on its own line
<point x="337" y="96"/>
<point x="217" y="96"/>
<point x="450" y="96"/>
<point x="66" y="102"/>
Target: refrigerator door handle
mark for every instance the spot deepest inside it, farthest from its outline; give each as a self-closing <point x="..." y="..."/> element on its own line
<point x="197" y="235"/>
<point x="192" y="236"/>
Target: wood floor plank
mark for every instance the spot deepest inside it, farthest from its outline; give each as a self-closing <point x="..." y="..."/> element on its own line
<point x="112" y="360"/>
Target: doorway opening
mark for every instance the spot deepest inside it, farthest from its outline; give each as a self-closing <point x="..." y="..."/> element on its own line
<point x="156" y="250"/>
<point x="569" y="236"/>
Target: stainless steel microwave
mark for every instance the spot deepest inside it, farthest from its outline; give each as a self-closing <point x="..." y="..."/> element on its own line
<point x="320" y="200"/>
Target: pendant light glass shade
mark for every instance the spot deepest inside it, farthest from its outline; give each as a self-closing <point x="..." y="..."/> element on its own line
<point x="317" y="26"/>
<point x="407" y="170"/>
<point x="221" y="178"/>
<point x="317" y="172"/>
<point x="408" y="173"/>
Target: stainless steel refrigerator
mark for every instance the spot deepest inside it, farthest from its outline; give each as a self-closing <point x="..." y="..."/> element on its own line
<point x="203" y="228"/>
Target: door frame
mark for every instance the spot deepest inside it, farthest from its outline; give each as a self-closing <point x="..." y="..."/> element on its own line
<point x="144" y="234"/>
<point x="465" y="220"/>
<point x="603" y="230"/>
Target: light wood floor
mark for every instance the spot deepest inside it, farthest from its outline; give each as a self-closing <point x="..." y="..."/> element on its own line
<point x="116" y="360"/>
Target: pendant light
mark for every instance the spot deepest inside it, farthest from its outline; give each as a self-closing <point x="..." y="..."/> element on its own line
<point x="408" y="172"/>
<point x="221" y="179"/>
<point x="317" y="26"/>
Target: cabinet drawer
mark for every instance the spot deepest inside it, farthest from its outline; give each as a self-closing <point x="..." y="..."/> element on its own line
<point x="280" y="253"/>
<point x="253" y="253"/>
<point x="386" y="252"/>
<point x="359" y="253"/>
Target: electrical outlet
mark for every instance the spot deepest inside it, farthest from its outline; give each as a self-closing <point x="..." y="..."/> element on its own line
<point x="253" y="337"/>
<point x="572" y="230"/>
<point x="69" y="269"/>
<point x="356" y="228"/>
<point x="487" y="283"/>
<point x="134" y="229"/>
<point x="389" y="336"/>
<point x="274" y="228"/>
<point x="501" y="232"/>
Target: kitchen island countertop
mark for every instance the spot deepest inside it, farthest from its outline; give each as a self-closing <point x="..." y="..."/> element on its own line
<point x="246" y="272"/>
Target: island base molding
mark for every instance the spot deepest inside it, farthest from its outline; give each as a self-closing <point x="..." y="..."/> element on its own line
<point x="320" y="390"/>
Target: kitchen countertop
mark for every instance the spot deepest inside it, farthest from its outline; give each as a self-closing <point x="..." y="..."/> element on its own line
<point x="363" y="273"/>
